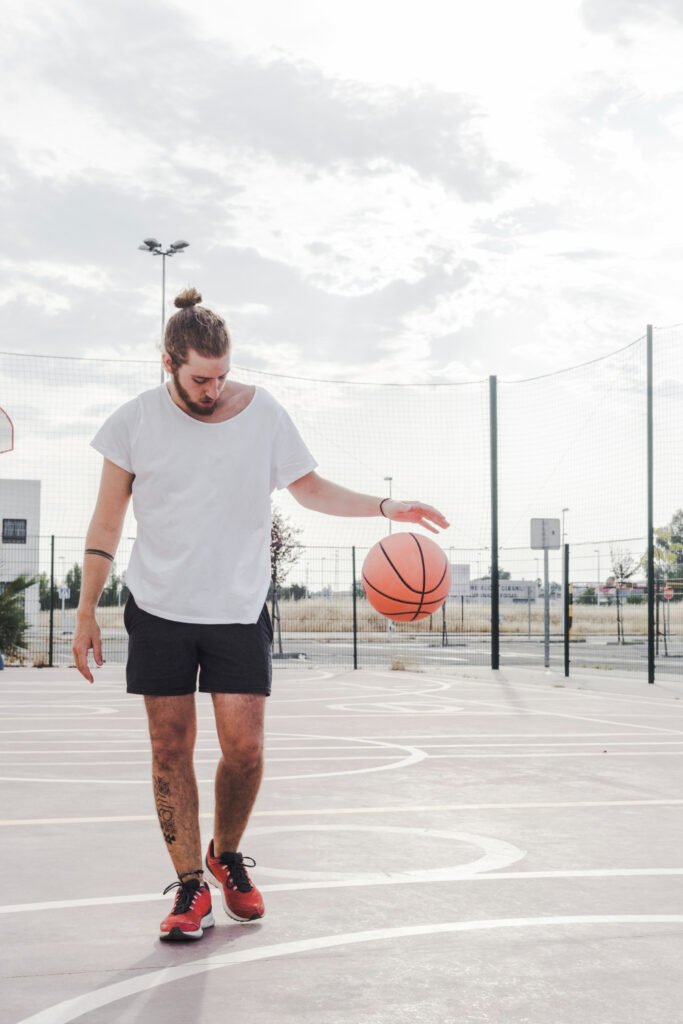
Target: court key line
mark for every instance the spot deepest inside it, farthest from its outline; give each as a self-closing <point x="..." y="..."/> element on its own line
<point x="350" y="753"/>
<point x="69" y="1009"/>
<point x="413" y="755"/>
<point x="344" y="883"/>
<point x="322" y="811"/>
<point x="414" y="758"/>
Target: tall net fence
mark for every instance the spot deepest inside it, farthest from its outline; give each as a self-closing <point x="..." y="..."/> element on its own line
<point x="571" y="446"/>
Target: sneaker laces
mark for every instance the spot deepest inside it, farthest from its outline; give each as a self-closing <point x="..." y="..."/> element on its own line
<point x="185" y="895"/>
<point x="235" y="863"/>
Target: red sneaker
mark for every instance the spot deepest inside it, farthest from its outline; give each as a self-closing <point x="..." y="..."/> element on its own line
<point x="191" y="913"/>
<point x="241" y="899"/>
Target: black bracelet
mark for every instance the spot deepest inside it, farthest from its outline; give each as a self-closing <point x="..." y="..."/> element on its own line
<point x="199" y="871"/>
<point x="96" y="551"/>
<point x="382" y="512"/>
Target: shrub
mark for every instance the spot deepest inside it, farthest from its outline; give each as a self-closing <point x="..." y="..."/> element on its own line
<point x="13" y="625"/>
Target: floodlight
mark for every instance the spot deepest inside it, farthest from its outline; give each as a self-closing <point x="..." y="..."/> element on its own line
<point x="154" y="246"/>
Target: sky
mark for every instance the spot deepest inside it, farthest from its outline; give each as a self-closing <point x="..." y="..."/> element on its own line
<point x="372" y="191"/>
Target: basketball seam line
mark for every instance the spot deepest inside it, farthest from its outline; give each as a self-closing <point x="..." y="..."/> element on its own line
<point x="399" y="600"/>
<point x="405" y="582"/>
<point x="422" y="604"/>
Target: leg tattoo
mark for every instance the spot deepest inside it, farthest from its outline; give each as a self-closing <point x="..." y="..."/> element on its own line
<point x="165" y="809"/>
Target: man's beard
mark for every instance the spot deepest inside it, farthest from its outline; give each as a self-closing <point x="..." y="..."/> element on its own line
<point x="195" y="407"/>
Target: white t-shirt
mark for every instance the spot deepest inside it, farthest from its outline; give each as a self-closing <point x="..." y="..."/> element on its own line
<point x="201" y="498"/>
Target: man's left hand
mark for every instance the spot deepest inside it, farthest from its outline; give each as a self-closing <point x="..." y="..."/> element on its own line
<point x="414" y="512"/>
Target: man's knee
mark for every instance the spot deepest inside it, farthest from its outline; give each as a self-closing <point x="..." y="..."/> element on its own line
<point x="171" y="750"/>
<point x="245" y="754"/>
<point x="172" y="738"/>
<point x="239" y="721"/>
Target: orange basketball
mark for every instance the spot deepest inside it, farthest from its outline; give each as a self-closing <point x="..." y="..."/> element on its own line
<point x="406" y="577"/>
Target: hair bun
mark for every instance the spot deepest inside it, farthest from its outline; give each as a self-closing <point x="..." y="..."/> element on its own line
<point x="190" y="297"/>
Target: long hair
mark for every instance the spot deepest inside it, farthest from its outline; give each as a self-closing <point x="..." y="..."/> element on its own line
<point x="196" y="328"/>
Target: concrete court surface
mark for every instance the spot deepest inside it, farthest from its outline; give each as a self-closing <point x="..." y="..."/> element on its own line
<point x="432" y="846"/>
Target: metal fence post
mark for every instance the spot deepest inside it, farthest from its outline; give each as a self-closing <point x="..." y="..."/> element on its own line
<point x="52" y="599"/>
<point x="568" y="597"/>
<point x="355" y="615"/>
<point x="495" y="575"/>
<point x="650" y="520"/>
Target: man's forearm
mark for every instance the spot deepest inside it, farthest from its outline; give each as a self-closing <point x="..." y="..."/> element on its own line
<point x="96" y="567"/>
<point x="335" y="500"/>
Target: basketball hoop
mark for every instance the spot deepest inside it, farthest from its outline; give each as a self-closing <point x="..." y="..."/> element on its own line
<point x="6" y="433"/>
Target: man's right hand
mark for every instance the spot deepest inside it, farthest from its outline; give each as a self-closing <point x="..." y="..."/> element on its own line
<point x="87" y="635"/>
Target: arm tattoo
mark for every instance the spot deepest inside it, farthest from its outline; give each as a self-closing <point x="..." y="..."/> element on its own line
<point x="98" y="551"/>
<point x="162" y="798"/>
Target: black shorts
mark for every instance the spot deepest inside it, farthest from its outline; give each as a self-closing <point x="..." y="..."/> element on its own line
<point x="165" y="657"/>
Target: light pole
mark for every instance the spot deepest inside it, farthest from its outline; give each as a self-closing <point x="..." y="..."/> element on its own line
<point x="390" y="624"/>
<point x="597" y="589"/>
<point x="154" y="246"/>
<point x="389" y="478"/>
<point x="564" y="580"/>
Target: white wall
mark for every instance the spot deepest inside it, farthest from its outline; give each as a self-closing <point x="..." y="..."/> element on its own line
<point x="20" y="499"/>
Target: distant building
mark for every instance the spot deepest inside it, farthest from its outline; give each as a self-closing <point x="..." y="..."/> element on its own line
<point x="20" y="538"/>
<point x="508" y="590"/>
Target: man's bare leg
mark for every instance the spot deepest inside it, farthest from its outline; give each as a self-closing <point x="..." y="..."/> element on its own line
<point x="239" y="723"/>
<point x="173" y="731"/>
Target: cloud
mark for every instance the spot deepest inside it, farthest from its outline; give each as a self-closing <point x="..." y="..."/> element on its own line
<point x="161" y="88"/>
<point x="320" y="213"/>
<point x="610" y="15"/>
<point x="344" y="228"/>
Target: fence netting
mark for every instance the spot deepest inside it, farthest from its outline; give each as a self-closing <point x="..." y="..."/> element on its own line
<point x="571" y="445"/>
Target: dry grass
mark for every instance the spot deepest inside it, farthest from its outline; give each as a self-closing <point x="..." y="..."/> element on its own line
<point x="325" y="615"/>
<point x="336" y="614"/>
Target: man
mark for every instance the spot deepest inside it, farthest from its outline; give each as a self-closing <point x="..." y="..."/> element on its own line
<point x="200" y="457"/>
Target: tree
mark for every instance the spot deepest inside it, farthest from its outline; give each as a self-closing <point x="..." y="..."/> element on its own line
<point x="13" y="625"/>
<point x="588" y="596"/>
<point x="110" y="594"/>
<point x="294" y="592"/>
<point x="284" y="547"/>
<point x="44" y="592"/>
<point x="624" y="567"/>
<point x="668" y="549"/>
<point x="284" y="551"/>
<point x="73" y="582"/>
<point x="503" y="574"/>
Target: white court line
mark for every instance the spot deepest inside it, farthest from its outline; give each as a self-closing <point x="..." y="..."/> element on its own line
<point x="413" y="758"/>
<point x="69" y="1009"/>
<point x="561" y="753"/>
<point x="413" y="736"/>
<point x="275" y="749"/>
<point x="90" y="713"/>
<point x="203" y="747"/>
<point x="607" y="738"/>
<point x="428" y="691"/>
<point x="196" y="760"/>
<point x="346" y="883"/>
<point x="538" y="750"/>
<point x="573" y="690"/>
<point x="495" y="855"/>
<point x="79" y="729"/>
<point x="324" y="811"/>
<point x="533" y="713"/>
